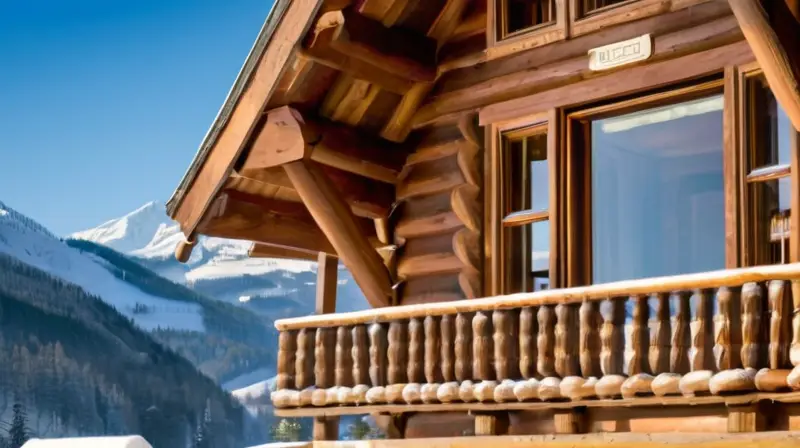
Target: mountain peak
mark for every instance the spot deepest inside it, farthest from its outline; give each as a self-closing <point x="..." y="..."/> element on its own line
<point x="130" y="232"/>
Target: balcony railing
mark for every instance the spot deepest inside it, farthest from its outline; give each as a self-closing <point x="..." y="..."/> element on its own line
<point x="728" y="336"/>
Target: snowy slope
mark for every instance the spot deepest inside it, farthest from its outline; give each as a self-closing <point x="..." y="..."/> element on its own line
<point x="218" y="267"/>
<point x="25" y="239"/>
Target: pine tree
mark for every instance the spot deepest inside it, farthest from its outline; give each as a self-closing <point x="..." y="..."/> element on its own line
<point x="19" y="433"/>
<point x="203" y="436"/>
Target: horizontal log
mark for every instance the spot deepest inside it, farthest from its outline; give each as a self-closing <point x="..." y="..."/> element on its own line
<point x="627" y="288"/>
<point x="288" y="136"/>
<point x="544" y="68"/>
<point x="368" y="50"/>
<point x="237" y="216"/>
<point x="429" y="264"/>
<point x="426" y="216"/>
<point x="431" y="177"/>
<point x="632" y="80"/>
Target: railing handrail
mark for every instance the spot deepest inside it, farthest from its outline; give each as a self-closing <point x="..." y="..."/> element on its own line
<point x="625" y="288"/>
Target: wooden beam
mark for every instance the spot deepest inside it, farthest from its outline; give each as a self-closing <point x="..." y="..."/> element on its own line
<point x="327" y="278"/>
<point x="392" y="58"/>
<point x="288" y="136"/>
<point x="261" y="250"/>
<point x="280" y="223"/>
<point x="339" y="224"/>
<point x="781" y="69"/>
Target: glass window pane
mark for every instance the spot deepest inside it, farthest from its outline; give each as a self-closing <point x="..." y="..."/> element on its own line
<point x="657" y="192"/>
<point x="529" y="178"/>
<point x="771" y="126"/>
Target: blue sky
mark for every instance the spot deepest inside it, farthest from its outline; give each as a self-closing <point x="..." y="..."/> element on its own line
<point x="103" y="103"/>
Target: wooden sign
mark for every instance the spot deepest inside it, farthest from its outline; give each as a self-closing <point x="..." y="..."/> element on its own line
<point x="621" y="53"/>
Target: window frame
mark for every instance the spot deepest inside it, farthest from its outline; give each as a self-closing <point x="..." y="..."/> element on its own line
<point x="496" y="199"/>
<point x="624" y="12"/>
<point x="746" y="134"/>
<point x="499" y="45"/>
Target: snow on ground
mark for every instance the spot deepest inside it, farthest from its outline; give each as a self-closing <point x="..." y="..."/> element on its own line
<point x="256" y="391"/>
<point x="90" y="442"/>
<point x="249" y="378"/>
<point x="31" y="243"/>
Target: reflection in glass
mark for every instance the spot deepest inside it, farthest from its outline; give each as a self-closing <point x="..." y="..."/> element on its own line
<point x="657" y="192"/>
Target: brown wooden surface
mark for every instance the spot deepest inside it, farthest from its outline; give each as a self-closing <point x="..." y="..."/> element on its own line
<point x="339" y="225"/>
<point x="327" y="281"/>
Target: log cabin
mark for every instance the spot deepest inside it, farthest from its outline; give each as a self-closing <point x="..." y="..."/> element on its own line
<point x="570" y="217"/>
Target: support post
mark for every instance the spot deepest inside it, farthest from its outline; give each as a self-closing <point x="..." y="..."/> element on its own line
<point x="326" y="427"/>
<point x="338" y="223"/>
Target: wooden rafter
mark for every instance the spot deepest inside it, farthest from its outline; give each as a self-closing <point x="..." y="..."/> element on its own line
<point x="364" y="170"/>
<point x="781" y="69"/>
<point x="261" y="250"/>
<point x="388" y="57"/>
<point x="279" y="223"/>
<point x="339" y="224"/>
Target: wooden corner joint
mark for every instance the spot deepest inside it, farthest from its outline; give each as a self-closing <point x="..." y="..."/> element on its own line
<point x="284" y="138"/>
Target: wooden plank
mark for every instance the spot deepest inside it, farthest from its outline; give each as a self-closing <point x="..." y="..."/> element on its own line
<point x="730" y="165"/>
<point x="327" y="278"/>
<point x="623" y="403"/>
<point x="339" y="224"/>
<point x="575" y="295"/>
<point x="326" y="428"/>
<point x="781" y="69"/>
<point x="776" y="439"/>
<point x="628" y="82"/>
<point x="233" y="138"/>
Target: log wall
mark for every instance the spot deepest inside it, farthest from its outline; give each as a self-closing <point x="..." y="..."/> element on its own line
<point x="438" y="223"/>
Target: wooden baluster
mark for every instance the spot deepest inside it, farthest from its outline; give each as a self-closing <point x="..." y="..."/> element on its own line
<point x="794" y="351"/>
<point x="287" y="346"/>
<point x="752" y="311"/>
<point x="612" y="336"/>
<point x="433" y="372"/>
<point x="701" y="355"/>
<point x="360" y="355"/>
<point x="324" y="358"/>
<point x="378" y="347"/>
<point x="463" y="347"/>
<point x="448" y="339"/>
<point x="660" y="332"/>
<point x="726" y="334"/>
<point x="779" y="326"/>
<point x="567" y="336"/>
<point x="304" y="361"/>
<point x="636" y="349"/>
<point x="416" y="347"/>
<point x="527" y="344"/>
<point x="344" y="357"/>
<point x="681" y="337"/>
<point x="545" y="341"/>
<point x="505" y="362"/>
<point x="397" y="353"/>
<point x="481" y="347"/>
<point x="589" y="339"/>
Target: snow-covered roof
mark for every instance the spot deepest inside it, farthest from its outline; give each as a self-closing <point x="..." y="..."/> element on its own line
<point x="90" y="442"/>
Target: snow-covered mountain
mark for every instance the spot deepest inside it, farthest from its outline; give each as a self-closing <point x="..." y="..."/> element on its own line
<point x="220" y="268"/>
<point x="31" y="243"/>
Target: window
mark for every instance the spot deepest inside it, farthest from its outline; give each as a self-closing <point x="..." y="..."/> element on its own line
<point x="648" y="196"/>
<point x="521" y="15"/>
<point x="586" y="7"/>
<point x="766" y="161"/>
<point x="516" y="25"/>
<point x="526" y="227"/>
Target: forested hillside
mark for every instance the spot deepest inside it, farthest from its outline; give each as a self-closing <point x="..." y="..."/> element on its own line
<point x="236" y="340"/>
<point x="80" y="368"/>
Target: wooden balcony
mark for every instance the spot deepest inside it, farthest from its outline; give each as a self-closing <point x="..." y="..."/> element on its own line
<point x="717" y="338"/>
